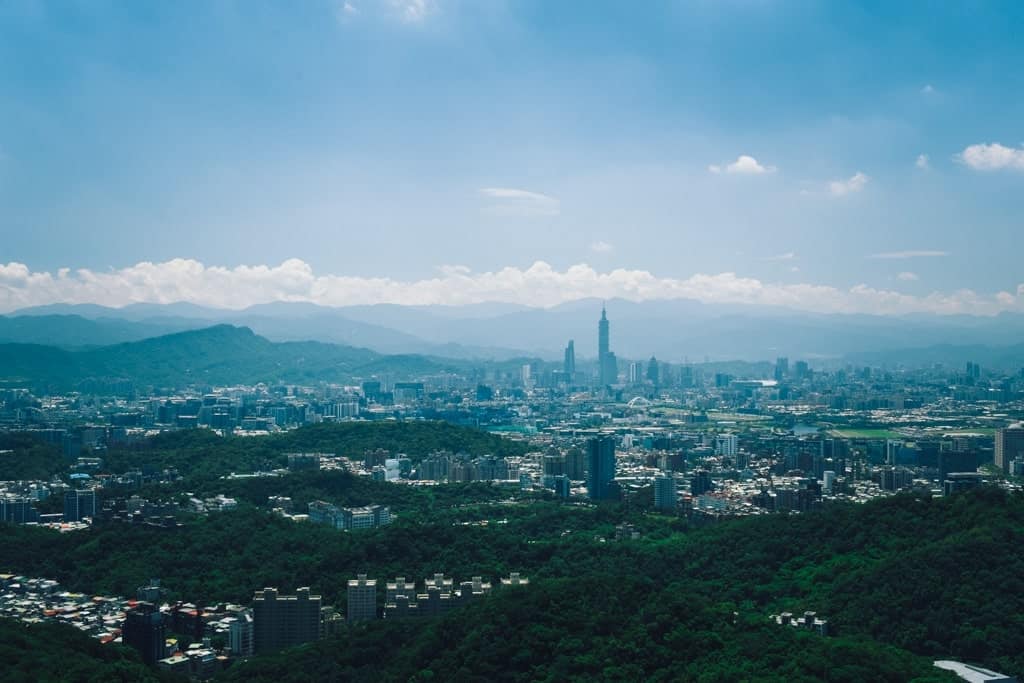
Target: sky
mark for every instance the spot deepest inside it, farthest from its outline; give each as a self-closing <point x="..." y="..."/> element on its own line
<point x="834" y="157"/>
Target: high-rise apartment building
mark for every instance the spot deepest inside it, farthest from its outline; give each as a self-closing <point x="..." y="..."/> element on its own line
<point x="665" y="493"/>
<point x="1009" y="446"/>
<point x="241" y="634"/>
<point x="600" y="467"/>
<point x="281" y="621"/>
<point x="726" y="444"/>
<point x="362" y="599"/>
<point x="145" y="631"/>
<point x="575" y="464"/>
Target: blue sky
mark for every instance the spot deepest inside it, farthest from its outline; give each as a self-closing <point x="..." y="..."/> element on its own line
<point x="779" y="141"/>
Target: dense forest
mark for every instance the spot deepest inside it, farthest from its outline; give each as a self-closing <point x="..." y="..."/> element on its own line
<point x="52" y="653"/>
<point x="935" y="577"/>
<point x="24" y="457"/>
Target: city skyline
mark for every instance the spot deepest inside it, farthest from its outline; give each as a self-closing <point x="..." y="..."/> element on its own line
<point x="299" y="374"/>
<point x="442" y="152"/>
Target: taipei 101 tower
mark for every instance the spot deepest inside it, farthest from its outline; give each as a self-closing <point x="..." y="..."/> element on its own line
<point x="607" y="365"/>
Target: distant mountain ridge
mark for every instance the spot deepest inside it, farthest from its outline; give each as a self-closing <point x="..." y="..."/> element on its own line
<point x="675" y="330"/>
<point x="217" y="355"/>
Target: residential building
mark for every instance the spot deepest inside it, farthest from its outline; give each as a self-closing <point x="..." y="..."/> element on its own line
<point x="145" y="631"/>
<point x="281" y="621"/>
<point x="600" y="468"/>
<point x="1009" y="446"/>
<point x="362" y="599"/>
<point x="665" y="493"/>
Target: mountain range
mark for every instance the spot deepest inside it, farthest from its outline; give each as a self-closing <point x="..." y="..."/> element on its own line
<point x="217" y="355"/>
<point x="676" y="330"/>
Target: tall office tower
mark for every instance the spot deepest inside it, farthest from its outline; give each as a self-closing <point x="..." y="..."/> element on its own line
<point x="665" y="493"/>
<point x="653" y="371"/>
<point x="602" y="335"/>
<point x="607" y="365"/>
<point x="144" y="630"/>
<point x="569" y="366"/>
<point x="600" y="467"/>
<point x="281" y="621"/>
<point x="78" y="505"/>
<point x="1009" y="445"/>
<point x="362" y="599"/>
<point x="781" y="368"/>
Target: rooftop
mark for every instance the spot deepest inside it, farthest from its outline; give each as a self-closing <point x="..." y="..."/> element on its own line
<point x="975" y="674"/>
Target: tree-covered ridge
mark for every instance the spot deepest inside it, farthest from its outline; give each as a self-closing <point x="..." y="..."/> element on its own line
<point x="218" y="355"/>
<point x="52" y="653"/>
<point x="936" y="577"/>
<point x="202" y="454"/>
<point x="608" y="628"/>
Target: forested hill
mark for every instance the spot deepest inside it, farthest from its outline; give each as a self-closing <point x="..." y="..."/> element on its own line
<point x="200" y="454"/>
<point x="222" y="354"/>
<point x="902" y="580"/>
<point x="48" y="653"/>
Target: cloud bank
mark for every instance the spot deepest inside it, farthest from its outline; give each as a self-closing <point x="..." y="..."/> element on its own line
<point x="539" y="285"/>
<point x="992" y="157"/>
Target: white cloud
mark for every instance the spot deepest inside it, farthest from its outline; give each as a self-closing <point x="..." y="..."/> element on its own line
<point x="412" y="11"/>
<point x="515" y="202"/>
<point x="788" y="256"/>
<point x="910" y="253"/>
<point x="855" y="183"/>
<point x="923" y="162"/>
<point x="928" y="89"/>
<point x="538" y="285"/>
<point x="601" y="247"/>
<point x="744" y="165"/>
<point x="907" y="276"/>
<point x="992" y="157"/>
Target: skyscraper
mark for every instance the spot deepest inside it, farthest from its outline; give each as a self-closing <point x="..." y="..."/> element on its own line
<point x="607" y="365"/>
<point x="653" y="375"/>
<point x="600" y="467"/>
<point x="570" y="361"/>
